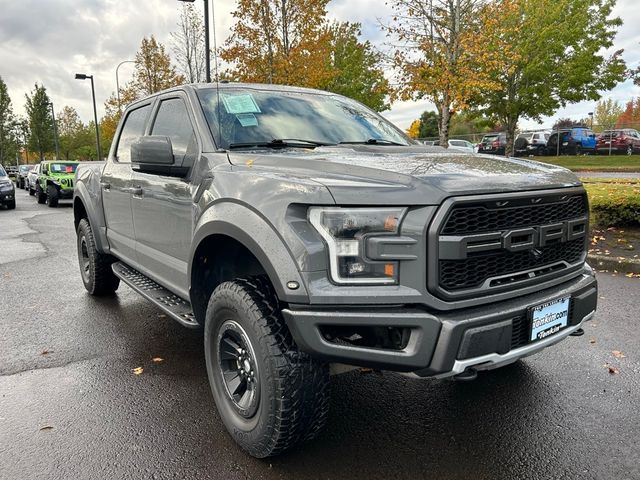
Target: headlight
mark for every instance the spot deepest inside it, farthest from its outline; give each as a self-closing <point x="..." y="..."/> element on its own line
<point x="346" y="230"/>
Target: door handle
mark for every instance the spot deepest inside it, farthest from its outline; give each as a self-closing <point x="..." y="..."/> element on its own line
<point x="136" y="191"/>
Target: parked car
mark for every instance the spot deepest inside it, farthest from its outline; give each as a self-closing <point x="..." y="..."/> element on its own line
<point x="7" y="190"/>
<point x="531" y="143"/>
<point x="431" y="143"/>
<point x="619" y="141"/>
<point x="573" y="141"/>
<point x="351" y="246"/>
<point x="55" y="182"/>
<point x="462" y="146"/>
<point x="12" y="171"/>
<point x="32" y="179"/>
<point x="23" y="171"/>
<point x="493" y="143"/>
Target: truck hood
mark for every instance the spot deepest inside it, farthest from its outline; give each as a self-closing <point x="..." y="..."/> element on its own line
<point x="405" y="175"/>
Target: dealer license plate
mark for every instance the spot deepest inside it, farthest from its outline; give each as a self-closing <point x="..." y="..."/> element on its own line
<point x="549" y="318"/>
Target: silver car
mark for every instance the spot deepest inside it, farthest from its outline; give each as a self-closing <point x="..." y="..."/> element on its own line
<point x="32" y="179"/>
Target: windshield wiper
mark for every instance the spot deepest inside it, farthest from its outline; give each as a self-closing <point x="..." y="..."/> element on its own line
<point x="281" y="143"/>
<point x="374" y="141"/>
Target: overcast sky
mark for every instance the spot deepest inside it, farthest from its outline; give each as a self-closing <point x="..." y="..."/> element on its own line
<point x="48" y="41"/>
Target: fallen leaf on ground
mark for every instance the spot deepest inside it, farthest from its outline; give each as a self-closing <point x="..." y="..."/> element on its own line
<point x="366" y="370"/>
<point x="613" y="370"/>
<point x="157" y="360"/>
<point x="46" y="427"/>
<point x="593" y="340"/>
<point x="46" y="352"/>
<point x="138" y="370"/>
<point x="618" y="354"/>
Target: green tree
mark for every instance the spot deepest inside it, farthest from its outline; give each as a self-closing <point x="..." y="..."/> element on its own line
<point x="428" y="124"/>
<point x="606" y="114"/>
<point x="556" y="58"/>
<point x="356" y="67"/>
<point x="41" y="136"/>
<point x="70" y="128"/>
<point x="7" y="126"/>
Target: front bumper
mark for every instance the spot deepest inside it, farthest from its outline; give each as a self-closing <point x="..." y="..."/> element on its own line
<point x="7" y="196"/>
<point x="440" y="344"/>
<point x="65" y="194"/>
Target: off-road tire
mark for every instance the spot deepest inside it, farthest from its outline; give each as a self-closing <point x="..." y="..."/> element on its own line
<point x="41" y="197"/>
<point x="32" y="191"/>
<point x="52" y="196"/>
<point x="11" y="205"/>
<point x="97" y="275"/>
<point x="294" y="396"/>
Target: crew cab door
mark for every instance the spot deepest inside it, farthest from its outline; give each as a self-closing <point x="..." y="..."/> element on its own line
<point x="116" y="184"/>
<point x="162" y="205"/>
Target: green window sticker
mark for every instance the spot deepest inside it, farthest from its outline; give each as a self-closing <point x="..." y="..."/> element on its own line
<point x="238" y="104"/>
<point x="247" y="119"/>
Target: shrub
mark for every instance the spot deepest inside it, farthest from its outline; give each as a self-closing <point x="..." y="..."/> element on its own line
<point x="614" y="203"/>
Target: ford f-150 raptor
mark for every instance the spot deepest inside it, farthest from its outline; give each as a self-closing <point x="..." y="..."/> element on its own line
<point x="304" y="233"/>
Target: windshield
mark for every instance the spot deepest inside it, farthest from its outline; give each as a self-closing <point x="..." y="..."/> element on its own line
<point x="25" y="168"/>
<point x="251" y="116"/>
<point x="63" y="167"/>
<point x="2" y="172"/>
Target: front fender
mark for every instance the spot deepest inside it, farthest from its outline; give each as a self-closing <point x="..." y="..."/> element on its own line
<point x="260" y="238"/>
<point x="90" y="195"/>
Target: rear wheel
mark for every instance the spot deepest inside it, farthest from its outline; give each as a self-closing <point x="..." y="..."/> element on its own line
<point x="270" y="395"/>
<point x="52" y="196"/>
<point x="95" y="267"/>
<point x="41" y="197"/>
<point x="11" y="205"/>
<point x="32" y="191"/>
<point x="629" y="150"/>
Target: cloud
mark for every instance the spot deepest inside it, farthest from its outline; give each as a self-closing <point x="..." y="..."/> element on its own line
<point x="48" y="41"/>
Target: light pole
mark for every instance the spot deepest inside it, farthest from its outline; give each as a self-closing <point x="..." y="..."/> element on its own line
<point x="118" y="82"/>
<point x="591" y="117"/>
<point x="82" y="76"/>
<point x="55" y="130"/>
<point x="206" y="38"/>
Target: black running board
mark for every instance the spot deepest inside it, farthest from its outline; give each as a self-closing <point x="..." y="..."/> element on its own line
<point x="174" y="306"/>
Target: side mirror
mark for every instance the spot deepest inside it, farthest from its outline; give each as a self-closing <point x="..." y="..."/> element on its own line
<point x="154" y="154"/>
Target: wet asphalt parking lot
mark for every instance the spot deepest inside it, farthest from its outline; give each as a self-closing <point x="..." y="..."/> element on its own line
<point x="71" y="408"/>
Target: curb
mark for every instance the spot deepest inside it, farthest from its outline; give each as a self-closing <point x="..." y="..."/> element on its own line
<point x="620" y="264"/>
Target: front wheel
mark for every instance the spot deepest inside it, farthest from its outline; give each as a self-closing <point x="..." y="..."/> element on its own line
<point x="52" y="196"/>
<point x="270" y="395"/>
<point x="11" y="205"/>
<point x="95" y="267"/>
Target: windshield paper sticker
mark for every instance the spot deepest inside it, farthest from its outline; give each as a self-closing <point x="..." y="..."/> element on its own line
<point x="247" y="119"/>
<point x="235" y="104"/>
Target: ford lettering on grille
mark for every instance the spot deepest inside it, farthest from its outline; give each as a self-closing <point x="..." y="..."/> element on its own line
<point x="458" y="247"/>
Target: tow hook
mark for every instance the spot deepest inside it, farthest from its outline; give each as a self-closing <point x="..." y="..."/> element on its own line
<point x="578" y="333"/>
<point x="468" y="375"/>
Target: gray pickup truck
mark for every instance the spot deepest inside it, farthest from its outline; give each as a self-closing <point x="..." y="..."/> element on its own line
<point x="307" y="235"/>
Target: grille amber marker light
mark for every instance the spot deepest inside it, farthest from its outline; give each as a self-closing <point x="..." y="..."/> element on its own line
<point x="389" y="269"/>
<point x="390" y="223"/>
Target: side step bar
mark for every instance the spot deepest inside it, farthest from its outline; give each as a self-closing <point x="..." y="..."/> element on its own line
<point x="174" y="306"/>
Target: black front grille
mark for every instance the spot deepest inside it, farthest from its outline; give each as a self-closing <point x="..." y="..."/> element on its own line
<point x="473" y="271"/>
<point x="478" y="218"/>
<point x="500" y="265"/>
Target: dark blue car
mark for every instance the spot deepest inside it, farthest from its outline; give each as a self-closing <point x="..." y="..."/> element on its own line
<point x="573" y="141"/>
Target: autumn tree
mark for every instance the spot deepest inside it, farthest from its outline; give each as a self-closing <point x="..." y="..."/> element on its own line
<point x="7" y="125"/>
<point x="414" y="129"/>
<point x="153" y="69"/>
<point x="555" y="58"/>
<point x="41" y="136"/>
<point x="280" y="41"/>
<point x="443" y="54"/>
<point x="630" y="117"/>
<point x="356" y="67"/>
<point x="606" y="114"/>
<point x="188" y="45"/>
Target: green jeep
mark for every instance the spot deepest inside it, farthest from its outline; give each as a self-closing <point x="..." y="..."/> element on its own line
<point x="55" y="182"/>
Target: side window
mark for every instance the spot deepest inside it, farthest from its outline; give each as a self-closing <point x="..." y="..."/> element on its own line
<point x="133" y="129"/>
<point x="173" y="121"/>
